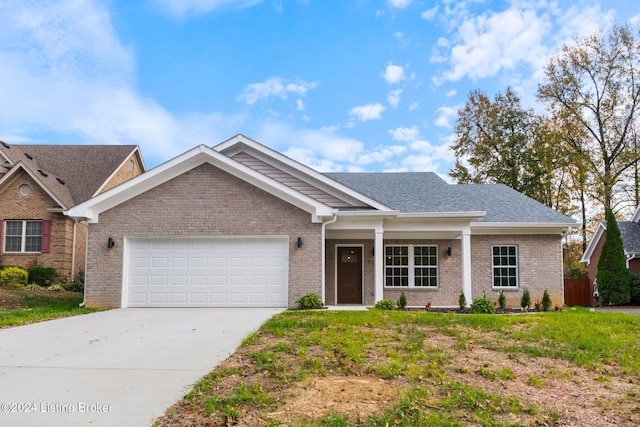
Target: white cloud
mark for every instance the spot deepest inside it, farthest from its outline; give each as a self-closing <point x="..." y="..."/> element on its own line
<point x="523" y="35"/>
<point x="300" y="105"/>
<point x="399" y="4"/>
<point x="393" y="74"/>
<point x="367" y="112"/>
<point x="414" y="106"/>
<point x="405" y="134"/>
<point x="394" y="97"/>
<point x="75" y="83"/>
<point x="429" y="14"/>
<point x="181" y="8"/>
<point x="274" y="86"/>
<point x="451" y="93"/>
<point x="445" y="116"/>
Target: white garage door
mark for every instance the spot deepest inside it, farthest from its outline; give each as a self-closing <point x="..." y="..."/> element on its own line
<point x="207" y="272"/>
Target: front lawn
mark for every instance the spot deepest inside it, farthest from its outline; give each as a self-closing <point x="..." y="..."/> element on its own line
<point x="19" y="307"/>
<point x="381" y="368"/>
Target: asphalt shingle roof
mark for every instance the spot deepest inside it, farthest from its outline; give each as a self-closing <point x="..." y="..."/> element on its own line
<point x="82" y="168"/>
<point x="427" y="192"/>
<point x="630" y="234"/>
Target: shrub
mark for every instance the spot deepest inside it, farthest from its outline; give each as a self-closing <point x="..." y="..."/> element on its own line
<point x="402" y="302"/>
<point x="634" y="286"/>
<point x="546" y="301"/>
<point x="33" y="287"/>
<point x="309" y="302"/>
<point x="13" y="276"/>
<point x="386" y="304"/>
<point x="462" y="301"/>
<point x="55" y="288"/>
<point x="502" y="301"/>
<point x="483" y="305"/>
<point x="73" y="286"/>
<point x="613" y="275"/>
<point x="41" y="275"/>
<point x="525" y="301"/>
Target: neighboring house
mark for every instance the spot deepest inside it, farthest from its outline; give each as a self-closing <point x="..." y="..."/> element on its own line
<point x="630" y="234"/>
<point x="39" y="183"/>
<point x="242" y="225"/>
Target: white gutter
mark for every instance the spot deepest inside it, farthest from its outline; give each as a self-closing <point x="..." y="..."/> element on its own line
<point x="324" y="256"/>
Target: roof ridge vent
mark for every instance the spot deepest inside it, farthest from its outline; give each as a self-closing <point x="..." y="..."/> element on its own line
<point x="60" y="180"/>
<point x="43" y="173"/>
<point x="5" y="144"/>
<point x="29" y="156"/>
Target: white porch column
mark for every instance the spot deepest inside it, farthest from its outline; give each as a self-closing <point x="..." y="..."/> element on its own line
<point x="466" y="266"/>
<point x="378" y="249"/>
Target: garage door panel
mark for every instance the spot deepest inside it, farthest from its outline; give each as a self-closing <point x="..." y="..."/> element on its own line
<point x="208" y="272"/>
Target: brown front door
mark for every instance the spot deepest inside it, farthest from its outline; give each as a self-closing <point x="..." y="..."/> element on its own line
<point x="349" y="275"/>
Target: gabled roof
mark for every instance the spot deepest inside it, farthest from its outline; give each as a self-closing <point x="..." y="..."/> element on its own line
<point x="629" y="233"/>
<point x="91" y="209"/>
<point x="427" y="192"/>
<point x="74" y="173"/>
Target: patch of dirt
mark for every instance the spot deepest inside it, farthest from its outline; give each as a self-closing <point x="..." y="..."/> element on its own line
<point x="9" y="301"/>
<point x="354" y="396"/>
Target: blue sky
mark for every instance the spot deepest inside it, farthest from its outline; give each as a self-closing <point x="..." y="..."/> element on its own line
<point x="340" y="85"/>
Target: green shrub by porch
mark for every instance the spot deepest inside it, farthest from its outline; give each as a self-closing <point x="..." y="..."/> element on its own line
<point x="613" y="275"/>
<point x="41" y="275"/>
<point x="309" y="302"/>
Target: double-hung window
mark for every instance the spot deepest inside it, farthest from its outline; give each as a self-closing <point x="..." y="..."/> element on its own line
<point x="411" y="266"/>
<point x="23" y="236"/>
<point x="505" y="266"/>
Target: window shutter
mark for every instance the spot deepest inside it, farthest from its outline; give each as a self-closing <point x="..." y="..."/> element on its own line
<point x="1" y="241"/>
<point x="46" y="237"/>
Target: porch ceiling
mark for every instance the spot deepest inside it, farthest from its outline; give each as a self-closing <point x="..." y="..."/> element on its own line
<point x="370" y="234"/>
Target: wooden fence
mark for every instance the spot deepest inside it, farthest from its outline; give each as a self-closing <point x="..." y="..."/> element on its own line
<point x="577" y="292"/>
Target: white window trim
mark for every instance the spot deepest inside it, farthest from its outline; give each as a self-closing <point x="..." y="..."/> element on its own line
<point x="411" y="266"/>
<point x="23" y="241"/>
<point x="493" y="268"/>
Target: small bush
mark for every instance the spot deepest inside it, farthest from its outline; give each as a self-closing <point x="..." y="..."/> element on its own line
<point x="41" y="275"/>
<point x="483" y="306"/>
<point x="55" y="288"/>
<point x="546" y="301"/>
<point x="13" y="276"/>
<point x="33" y="287"/>
<point x="73" y="286"/>
<point x="635" y="289"/>
<point x="386" y="304"/>
<point x="309" y="302"/>
<point x="462" y="301"/>
<point x="502" y="301"/>
<point x="525" y="301"/>
<point x="402" y="302"/>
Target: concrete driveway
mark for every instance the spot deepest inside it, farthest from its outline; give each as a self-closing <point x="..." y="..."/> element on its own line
<point x="115" y="368"/>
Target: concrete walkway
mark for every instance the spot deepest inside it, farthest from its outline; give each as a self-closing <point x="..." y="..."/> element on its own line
<point x="114" y="368"/>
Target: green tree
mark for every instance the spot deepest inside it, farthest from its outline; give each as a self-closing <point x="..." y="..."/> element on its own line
<point x="592" y="86"/>
<point x="499" y="141"/>
<point x="613" y="275"/>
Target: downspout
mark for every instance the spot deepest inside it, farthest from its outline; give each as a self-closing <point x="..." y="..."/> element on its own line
<point x="629" y="258"/>
<point x="324" y="256"/>
<point x="86" y="255"/>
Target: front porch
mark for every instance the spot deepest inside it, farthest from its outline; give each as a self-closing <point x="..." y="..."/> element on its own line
<point x="367" y="259"/>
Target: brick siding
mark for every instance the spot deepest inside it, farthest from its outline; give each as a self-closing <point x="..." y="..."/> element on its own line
<point x="204" y="201"/>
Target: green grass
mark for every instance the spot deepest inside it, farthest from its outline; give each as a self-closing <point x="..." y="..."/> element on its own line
<point x="294" y="347"/>
<point x="32" y="307"/>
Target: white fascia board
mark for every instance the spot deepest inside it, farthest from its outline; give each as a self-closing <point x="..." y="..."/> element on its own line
<point x="20" y="166"/>
<point x="470" y="215"/>
<point x="92" y="208"/>
<point x="635" y="217"/>
<point x="597" y="235"/>
<point x="520" y="227"/>
<point x="367" y="214"/>
<point x="238" y="143"/>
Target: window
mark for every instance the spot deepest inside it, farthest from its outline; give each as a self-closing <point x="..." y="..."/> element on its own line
<point x="23" y="236"/>
<point x="505" y="266"/>
<point x="411" y="266"/>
